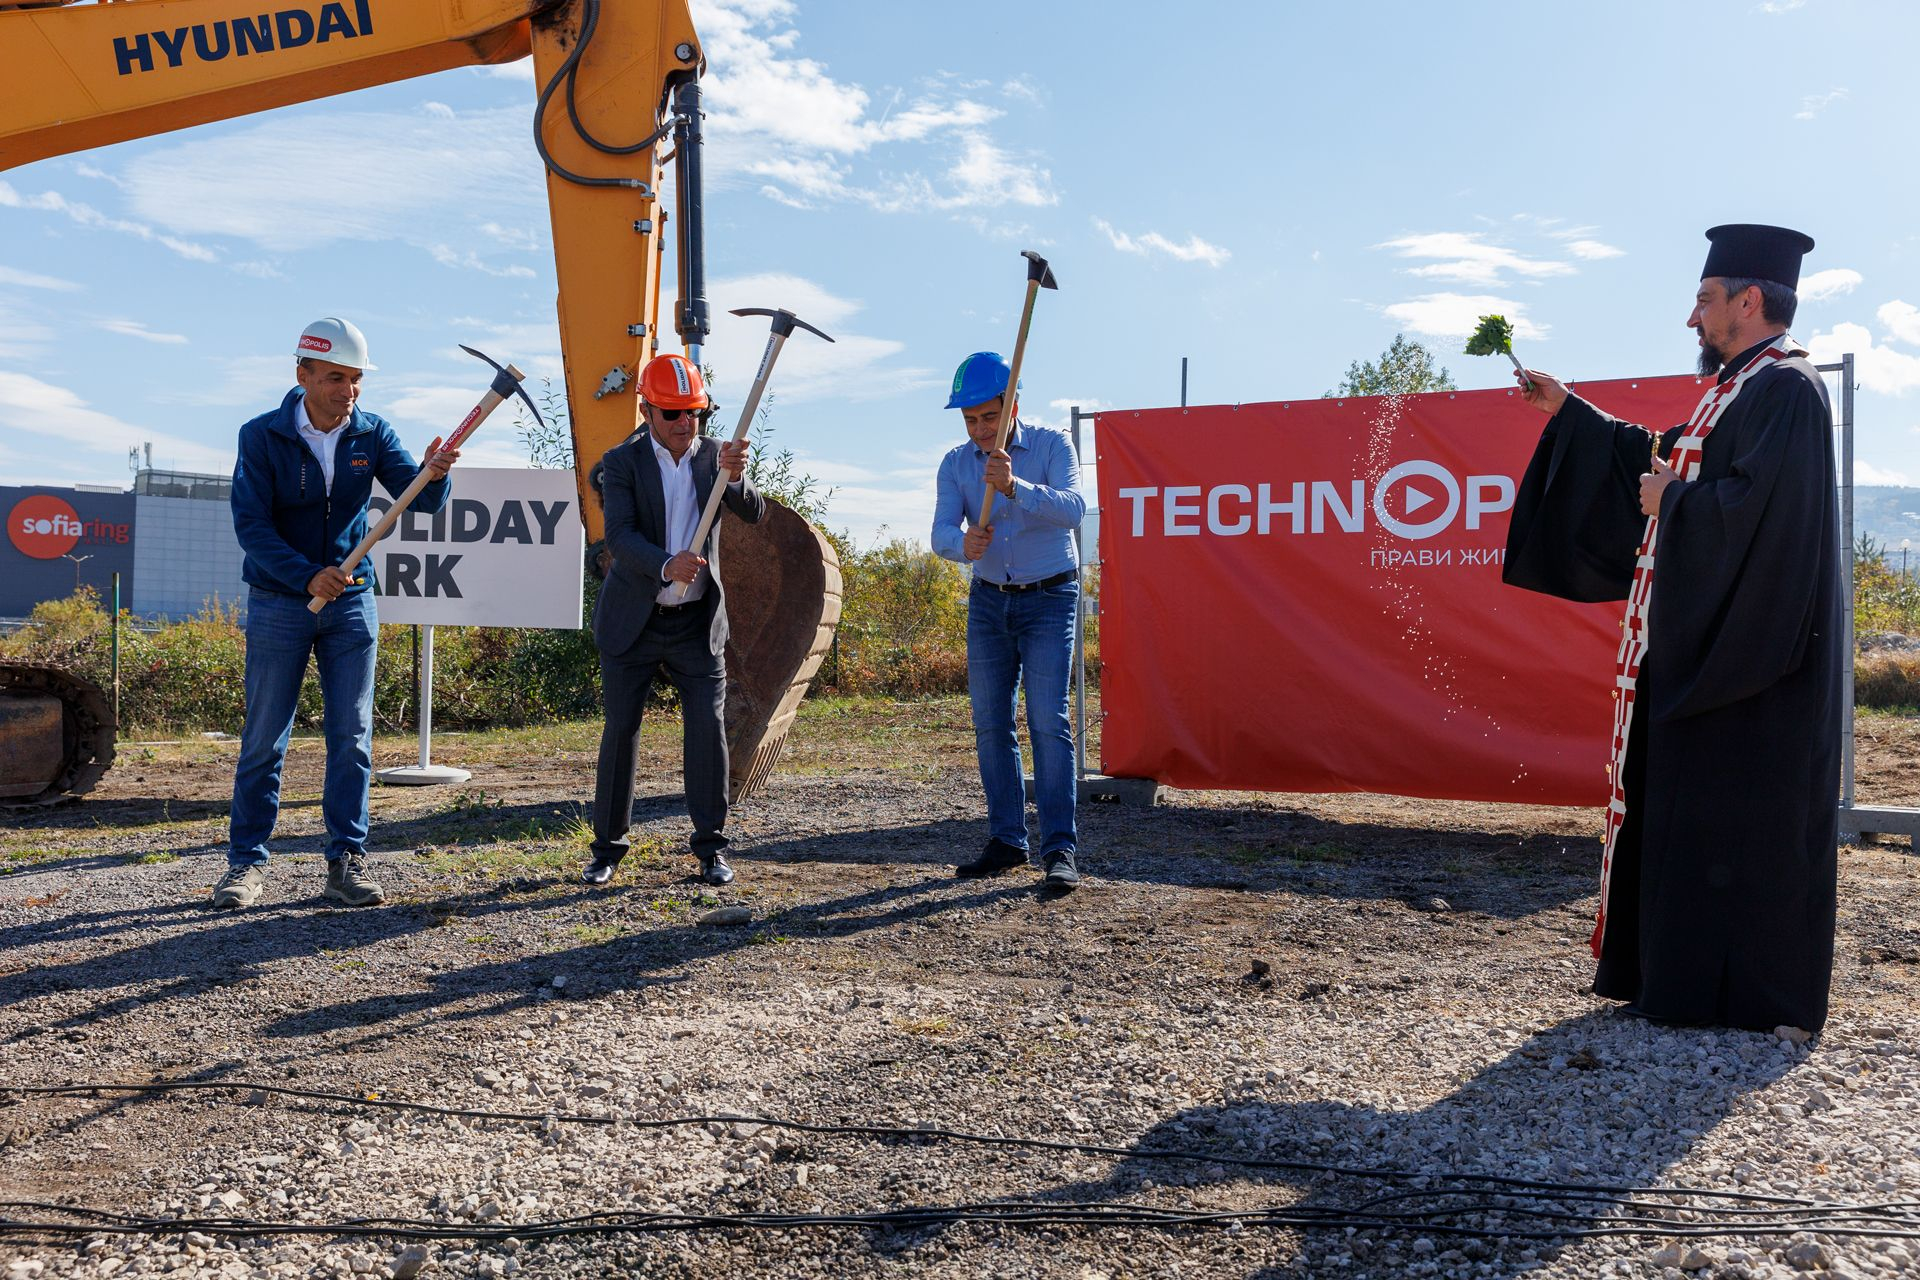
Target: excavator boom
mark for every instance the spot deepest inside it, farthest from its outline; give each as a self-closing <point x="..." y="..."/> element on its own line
<point x="619" y="86"/>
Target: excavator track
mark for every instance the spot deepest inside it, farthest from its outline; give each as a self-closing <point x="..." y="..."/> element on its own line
<point x="783" y="603"/>
<point x="56" y="735"/>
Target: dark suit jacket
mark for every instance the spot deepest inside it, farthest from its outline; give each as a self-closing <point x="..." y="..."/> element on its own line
<point x="636" y="517"/>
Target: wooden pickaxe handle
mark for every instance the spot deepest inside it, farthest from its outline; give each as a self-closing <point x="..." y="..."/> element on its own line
<point x="497" y="395"/>
<point x="1039" y="276"/>
<point x="784" y="323"/>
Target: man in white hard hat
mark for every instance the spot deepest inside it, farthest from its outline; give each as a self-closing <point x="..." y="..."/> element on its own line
<point x="300" y="491"/>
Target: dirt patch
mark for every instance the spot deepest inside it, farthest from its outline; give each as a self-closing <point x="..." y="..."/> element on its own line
<point x="1357" y="980"/>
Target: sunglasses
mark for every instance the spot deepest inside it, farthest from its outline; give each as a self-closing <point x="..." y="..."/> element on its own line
<point x="670" y="415"/>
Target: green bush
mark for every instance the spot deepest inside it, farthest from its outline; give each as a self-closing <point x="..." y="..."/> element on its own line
<point x="903" y="622"/>
<point x="1883" y="599"/>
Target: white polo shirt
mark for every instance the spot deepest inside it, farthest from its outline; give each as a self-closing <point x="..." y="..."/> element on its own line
<point x="323" y="443"/>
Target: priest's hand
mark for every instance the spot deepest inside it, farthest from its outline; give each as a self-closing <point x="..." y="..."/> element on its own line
<point x="1652" y="485"/>
<point x="1541" y="390"/>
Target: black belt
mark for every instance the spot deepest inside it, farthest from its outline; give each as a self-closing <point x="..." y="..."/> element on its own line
<point x="1013" y="588"/>
<point x="668" y="610"/>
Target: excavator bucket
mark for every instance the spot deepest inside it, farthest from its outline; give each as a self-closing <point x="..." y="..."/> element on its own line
<point x="56" y="735"/>
<point x="783" y="602"/>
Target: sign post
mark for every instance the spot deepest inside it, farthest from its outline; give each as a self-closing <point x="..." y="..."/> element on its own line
<point x="505" y="551"/>
<point x="426" y="773"/>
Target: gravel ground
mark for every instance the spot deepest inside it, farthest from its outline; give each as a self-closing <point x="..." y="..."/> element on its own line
<point x="1419" y="1002"/>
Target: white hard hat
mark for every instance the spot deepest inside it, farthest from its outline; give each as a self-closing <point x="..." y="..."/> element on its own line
<point x="335" y="340"/>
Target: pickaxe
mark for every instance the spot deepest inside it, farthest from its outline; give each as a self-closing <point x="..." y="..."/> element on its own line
<point x="506" y="385"/>
<point x="1039" y="276"/>
<point x="784" y="323"/>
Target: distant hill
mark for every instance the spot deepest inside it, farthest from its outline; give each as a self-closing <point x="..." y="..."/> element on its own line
<point x="1888" y="513"/>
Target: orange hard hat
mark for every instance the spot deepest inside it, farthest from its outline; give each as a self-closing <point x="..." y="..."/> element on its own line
<point x="672" y="382"/>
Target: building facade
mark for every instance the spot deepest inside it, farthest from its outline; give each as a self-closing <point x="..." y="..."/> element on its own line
<point x="170" y="538"/>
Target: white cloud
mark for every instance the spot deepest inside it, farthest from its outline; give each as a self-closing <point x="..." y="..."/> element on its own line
<point x="247" y="384"/>
<point x="1449" y="315"/>
<point x="448" y="256"/>
<point x="1830" y="283"/>
<point x="1024" y="89"/>
<point x="1193" y="250"/>
<point x="1814" y="103"/>
<point x="1466" y="258"/>
<point x="786" y="121"/>
<point x="31" y="280"/>
<point x="88" y="216"/>
<point x="1779" y="6"/>
<point x="1593" y="250"/>
<point x="439" y="110"/>
<point x="1878" y="368"/>
<point x="1865" y="472"/>
<point x="134" y="329"/>
<point x="1902" y="321"/>
<point x="21" y="338"/>
<point x="417" y="179"/>
<point x="852" y="367"/>
<point x="31" y="407"/>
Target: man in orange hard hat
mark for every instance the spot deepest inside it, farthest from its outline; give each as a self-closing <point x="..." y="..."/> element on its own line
<point x="662" y="607"/>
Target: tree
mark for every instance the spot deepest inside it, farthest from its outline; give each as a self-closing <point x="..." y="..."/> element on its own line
<point x="1402" y="369"/>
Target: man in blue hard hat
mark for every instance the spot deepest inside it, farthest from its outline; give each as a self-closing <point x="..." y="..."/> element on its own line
<point x="1020" y="611"/>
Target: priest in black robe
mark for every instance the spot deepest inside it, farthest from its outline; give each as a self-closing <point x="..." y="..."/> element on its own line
<point x="1720" y="903"/>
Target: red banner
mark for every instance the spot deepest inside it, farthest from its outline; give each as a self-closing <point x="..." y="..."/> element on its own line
<point x="1306" y="597"/>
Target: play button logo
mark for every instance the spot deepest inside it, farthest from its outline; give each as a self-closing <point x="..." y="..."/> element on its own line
<point x="1415" y="499"/>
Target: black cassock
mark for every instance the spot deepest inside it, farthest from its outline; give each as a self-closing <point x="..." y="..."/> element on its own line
<point x="1721" y="908"/>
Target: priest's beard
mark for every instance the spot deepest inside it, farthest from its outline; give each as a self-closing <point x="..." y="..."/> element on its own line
<point x="1711" y="361"/>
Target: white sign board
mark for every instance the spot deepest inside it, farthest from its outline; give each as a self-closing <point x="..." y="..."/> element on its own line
<point x="505" y="551"/>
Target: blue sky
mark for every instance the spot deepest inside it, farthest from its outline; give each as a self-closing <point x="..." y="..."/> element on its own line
<point x="1271" y="189"/>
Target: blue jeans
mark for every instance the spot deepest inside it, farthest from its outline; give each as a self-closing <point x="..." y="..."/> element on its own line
<point x="280" y="635"/>
<point x="1024" y="639"/>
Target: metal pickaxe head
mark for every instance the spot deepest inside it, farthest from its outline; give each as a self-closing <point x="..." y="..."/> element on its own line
<point x="506" y="382"/>
<point x="1038" y="270"/>
<point x="784" y="321"/>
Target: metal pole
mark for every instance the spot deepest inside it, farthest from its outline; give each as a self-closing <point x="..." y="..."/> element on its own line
<point x="1183" y="382"/>
<point x="1080" y="624"/>
<point x="426" y="695"/>
<point x="691" y="320"/>
<point x="116" y="646"/>
<point x="1846" y="561"/>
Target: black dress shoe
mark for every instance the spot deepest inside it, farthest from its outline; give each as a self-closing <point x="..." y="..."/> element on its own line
<point x="599" y="871"/>
<point x="1061" y="874"/>
<point x="998" y="856"/>
<point x="714" y="869"/>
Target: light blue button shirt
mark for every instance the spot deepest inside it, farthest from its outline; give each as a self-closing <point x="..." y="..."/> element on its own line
<point x="1033" y="530"/>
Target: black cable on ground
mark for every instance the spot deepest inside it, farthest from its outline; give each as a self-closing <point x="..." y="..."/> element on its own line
<point x="1457" y="1205"/>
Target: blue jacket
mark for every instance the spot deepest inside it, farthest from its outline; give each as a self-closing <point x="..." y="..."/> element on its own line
<point x="288" y="524"/>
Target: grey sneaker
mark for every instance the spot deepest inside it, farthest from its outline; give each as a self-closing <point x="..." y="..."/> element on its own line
<point x="240" y="887"/>
<point x="347" y="881"/>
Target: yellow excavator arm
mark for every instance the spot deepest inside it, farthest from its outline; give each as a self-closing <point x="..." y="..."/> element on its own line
<point x="619" y="88"/>
<point x="619" y="82"/>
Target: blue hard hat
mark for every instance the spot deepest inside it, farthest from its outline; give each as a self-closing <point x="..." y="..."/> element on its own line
<point x="980" y="377"/>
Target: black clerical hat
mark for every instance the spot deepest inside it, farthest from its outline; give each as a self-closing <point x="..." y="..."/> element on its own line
<point x="1748" y="250"/>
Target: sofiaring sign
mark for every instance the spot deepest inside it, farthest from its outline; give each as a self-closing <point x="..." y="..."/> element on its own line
<point x="47" y="527"/>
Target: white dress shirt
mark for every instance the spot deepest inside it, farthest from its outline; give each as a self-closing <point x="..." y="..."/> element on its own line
<point x="683" y="518"/>
<point x="321" y="442"/>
